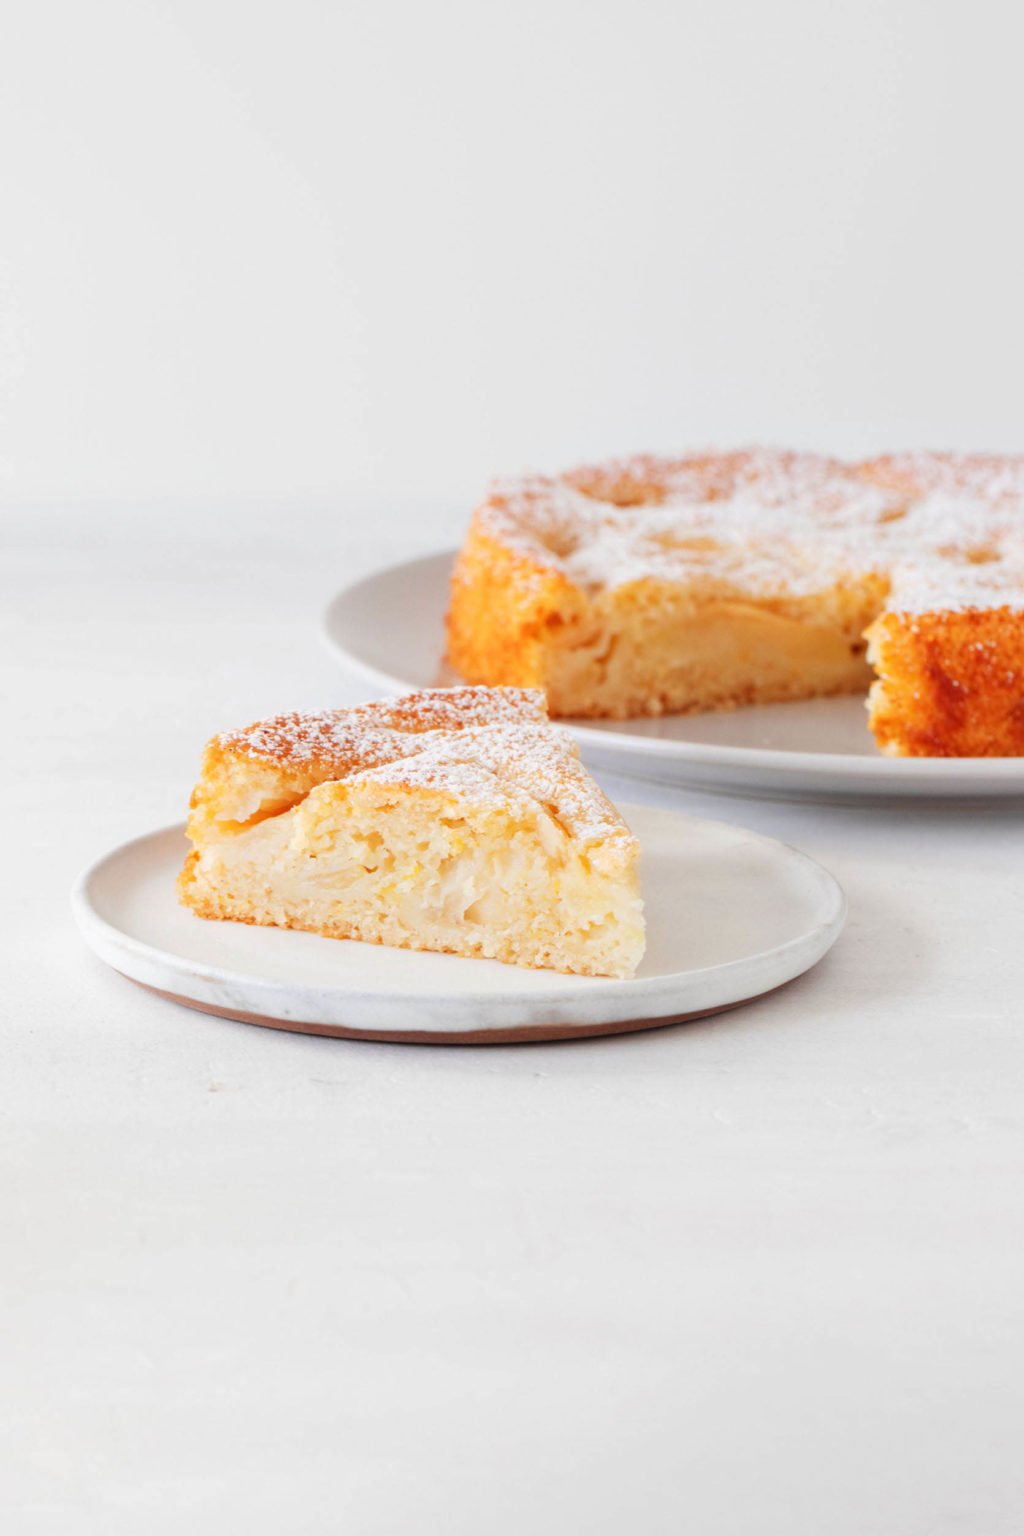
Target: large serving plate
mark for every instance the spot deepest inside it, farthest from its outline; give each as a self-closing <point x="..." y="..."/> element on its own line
<point x="389" y="627"/>
<point x="730" y="915"/>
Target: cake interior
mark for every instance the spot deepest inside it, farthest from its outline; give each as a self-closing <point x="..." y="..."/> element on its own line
<point x="651" y="654"/>
<point x="426" y="869"/>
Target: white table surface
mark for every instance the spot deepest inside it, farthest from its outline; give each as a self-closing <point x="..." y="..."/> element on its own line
<point x="761" y="1273"/>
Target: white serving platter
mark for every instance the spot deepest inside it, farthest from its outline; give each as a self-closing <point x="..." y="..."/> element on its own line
<point x="389" y="627"/>
<point x="730" y="914"/>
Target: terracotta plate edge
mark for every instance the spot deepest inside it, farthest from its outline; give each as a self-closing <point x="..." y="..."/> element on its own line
<point x="523" y="1035"/>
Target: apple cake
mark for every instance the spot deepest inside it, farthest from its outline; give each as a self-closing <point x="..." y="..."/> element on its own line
<point x="454" y="819"/>
<point x="650" y="586"/>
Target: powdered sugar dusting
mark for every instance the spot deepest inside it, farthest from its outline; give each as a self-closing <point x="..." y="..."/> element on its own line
<point x="764" y="523"/>
<point x="366" y="733"/>
<point x="994" y="479"/>
<point x="488" y="745"/>
<point x="503" y="764"/>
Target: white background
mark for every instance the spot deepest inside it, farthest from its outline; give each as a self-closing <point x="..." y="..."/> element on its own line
<point x="314" y="250"/>
<point x="280" y="286"/>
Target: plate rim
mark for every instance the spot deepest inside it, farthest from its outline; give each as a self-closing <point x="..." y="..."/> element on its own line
<point x="969" y="772"/>
<point x="639" y="997"/>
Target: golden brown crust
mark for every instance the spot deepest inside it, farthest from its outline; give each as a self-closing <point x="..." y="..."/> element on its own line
<point x="491" y="743"/>
<point x="991" y="477"/>
<point x="503" y="605"/>
<point x="649" y="586"/>
<point x="648" y="480"/>
<point x="346" y="740"/>
<point x="949" y="684"/>
<point x="262" y="769"/>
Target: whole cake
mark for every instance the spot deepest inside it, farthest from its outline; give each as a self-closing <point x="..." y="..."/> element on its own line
<point x="653" y="585"/>
<point x="454" y="819"/>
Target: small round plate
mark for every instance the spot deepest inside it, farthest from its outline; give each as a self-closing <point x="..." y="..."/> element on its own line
<point x="730" y="915"/>
<point x="390" y="628"/>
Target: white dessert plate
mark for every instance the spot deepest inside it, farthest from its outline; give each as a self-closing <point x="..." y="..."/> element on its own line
<point x="390" y="628"/>
<point x="730" y="915"/>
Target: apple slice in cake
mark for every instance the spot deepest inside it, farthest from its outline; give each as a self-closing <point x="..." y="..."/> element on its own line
<point x="453" y="819"/>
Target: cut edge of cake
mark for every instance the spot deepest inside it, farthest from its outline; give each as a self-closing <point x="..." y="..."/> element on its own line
<point x="551" y="589"/>
<point x="650" y="647"/>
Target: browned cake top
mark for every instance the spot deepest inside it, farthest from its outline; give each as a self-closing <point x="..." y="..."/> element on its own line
<point x="491" y="745"/>
<point x="776" y="522"/>
<point x="501" y="765"/>
<point x="367" y="732"/>
<point x="992" y="478"/>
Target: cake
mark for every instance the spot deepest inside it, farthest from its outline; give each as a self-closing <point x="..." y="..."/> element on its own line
<point x="456" y="819"/>
<point x="650" y="586"/>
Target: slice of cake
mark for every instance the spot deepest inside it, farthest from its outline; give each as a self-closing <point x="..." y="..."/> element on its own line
<point x="650" y="586"/>
<point x="454" y="819"/>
